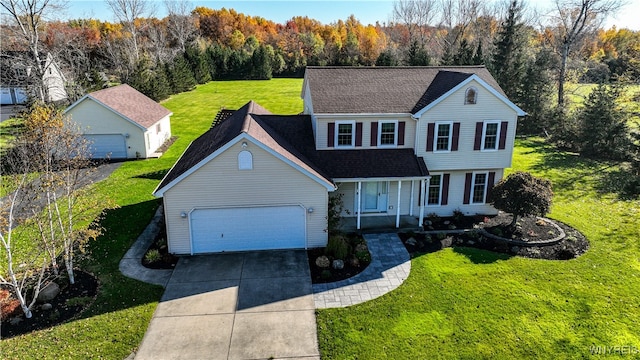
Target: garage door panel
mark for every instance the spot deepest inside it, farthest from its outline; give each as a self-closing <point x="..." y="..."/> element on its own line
<point x="254" y="228"/>
<point x="104" y="146"/>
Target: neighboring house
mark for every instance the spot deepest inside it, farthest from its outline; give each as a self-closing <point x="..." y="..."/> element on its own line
<point x="392" y="140"/>
<point x="16" y="79"/>
<point x="121" y="123"/>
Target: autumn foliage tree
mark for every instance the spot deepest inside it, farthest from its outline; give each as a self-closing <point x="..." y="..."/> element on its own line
<point x="522" y="194"/>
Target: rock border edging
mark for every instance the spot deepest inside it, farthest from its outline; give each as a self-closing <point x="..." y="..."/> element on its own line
<point x="553" y="241"/>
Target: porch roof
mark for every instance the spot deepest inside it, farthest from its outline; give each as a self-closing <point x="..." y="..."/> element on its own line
<point x="372" y="163"/>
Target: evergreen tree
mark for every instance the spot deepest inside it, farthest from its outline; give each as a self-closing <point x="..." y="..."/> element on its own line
<point x="417" y="55"/>
<point x="179" y="75"/>
<point x="151" y="82"/>
<point x="198" y="62"/>
<point x="603" y="123"/>
<point x="464" y="56"/>
<point x="509" y="59"/>
<point x="535" y="95"/>
<point x="387" y="58"/>
<point x="261" y="63"/>
<point x="447" y="58"/>
<point x="478" y="58"/>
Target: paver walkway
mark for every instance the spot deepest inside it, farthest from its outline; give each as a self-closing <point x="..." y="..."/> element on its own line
<point x="390" y="266"/>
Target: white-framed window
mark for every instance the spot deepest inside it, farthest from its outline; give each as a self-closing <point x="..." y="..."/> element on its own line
<point x="479" y="187"/>
<point x="158" y="128"/>
<point x="470" y="96"/>
<point x="434" y="191"/>
<point x="345" y="134"/>
<point x="442" y="136"/>
<point x="245" y="160"/>
<point x="388" y="133"/>
<point x="490" y="135"/>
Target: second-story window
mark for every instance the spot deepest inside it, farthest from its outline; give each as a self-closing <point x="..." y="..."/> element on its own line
<point x="490" y="135"/>
<point x="345" y="134"/>
<point x="388" y="133"/>
<point x="443" y="136"/>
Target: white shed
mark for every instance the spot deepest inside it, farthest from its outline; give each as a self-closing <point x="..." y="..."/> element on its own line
<point x="121" y="123"/>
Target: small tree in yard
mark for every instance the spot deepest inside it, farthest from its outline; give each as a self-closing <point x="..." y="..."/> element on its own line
<point x="522" y="194"/>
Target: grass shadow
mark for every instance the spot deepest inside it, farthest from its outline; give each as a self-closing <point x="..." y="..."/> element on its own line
<point x="480" y="256"/>
<point x="154" y="175"/>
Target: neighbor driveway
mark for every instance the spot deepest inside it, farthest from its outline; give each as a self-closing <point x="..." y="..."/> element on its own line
<point x="252" y="305"/>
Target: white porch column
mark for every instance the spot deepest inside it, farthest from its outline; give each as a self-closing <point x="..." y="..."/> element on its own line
<point x="422" y="202"/>
<point x="358" y="193"/>
<point x="411" y="199"/>
<point x="398" y="207"/>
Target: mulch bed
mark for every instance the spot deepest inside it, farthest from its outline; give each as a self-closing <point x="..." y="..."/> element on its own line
<point x="336" y="275"/>
<point x="81" y="295"/>
<point x="166" y="260"/>
<point x="572" y="246"/>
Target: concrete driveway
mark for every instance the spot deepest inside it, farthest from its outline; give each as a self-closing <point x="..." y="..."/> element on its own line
<point x="253" y="305"/>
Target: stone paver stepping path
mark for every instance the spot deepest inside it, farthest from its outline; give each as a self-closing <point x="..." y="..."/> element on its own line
<point x="390" y="266"/>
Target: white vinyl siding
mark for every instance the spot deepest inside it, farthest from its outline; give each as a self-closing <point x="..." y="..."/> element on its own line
<point x="220" y="184"/>
<point x="487" y="108"/>
<point x="455" y="199"/>
<point x="321" y="121"/>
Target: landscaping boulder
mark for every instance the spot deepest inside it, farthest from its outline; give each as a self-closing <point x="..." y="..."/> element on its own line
<point x="446" y="242"/>
<point x="338" y="264"/>
<point x="323" y="262"/>
<point x="361" y="248"/>
<point x="46" y="307"/>
<point x="48" y="292"/>
<point x="411" y="241"/>
<point x="354" y="262"/>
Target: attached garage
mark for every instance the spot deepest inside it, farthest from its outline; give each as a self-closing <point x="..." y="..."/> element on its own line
<point x="107" y="146"/>
<point x="248" y="228"/>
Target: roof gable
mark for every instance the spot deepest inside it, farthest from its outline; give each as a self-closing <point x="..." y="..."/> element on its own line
<point x="375" y="90"/>
<point x="128" y="103"/>
<point x="249" y="122"/>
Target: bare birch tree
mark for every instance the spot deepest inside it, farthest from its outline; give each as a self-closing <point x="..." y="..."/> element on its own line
<point x="457" y="17"/>
<point x="572" y="20"/>
<point x="417" y="15"/>
<point x="181" y="24"/>
<point x="26" y="20"/>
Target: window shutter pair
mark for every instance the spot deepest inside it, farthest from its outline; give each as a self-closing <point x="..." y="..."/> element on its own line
<point x="331" y="134"/>
<point x="467" y="187"/>
<point x="455" y="136"/>
<point x="502" y="143"/>
<point x="445" y="191"/>
<point x="374" y="133"/>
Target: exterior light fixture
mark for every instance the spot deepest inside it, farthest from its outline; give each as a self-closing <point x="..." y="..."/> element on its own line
<point x="310" y="210"/>
<point x="183" y="214"/>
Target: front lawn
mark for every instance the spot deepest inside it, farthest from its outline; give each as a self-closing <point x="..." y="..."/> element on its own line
<point x="473" y="304"/>
<point x="115" y="324"/>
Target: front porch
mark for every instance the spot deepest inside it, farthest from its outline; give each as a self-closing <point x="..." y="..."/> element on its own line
<point x="380" y="223"/>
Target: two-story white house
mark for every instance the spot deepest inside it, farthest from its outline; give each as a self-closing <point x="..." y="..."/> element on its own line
<point x="394" y="141"/>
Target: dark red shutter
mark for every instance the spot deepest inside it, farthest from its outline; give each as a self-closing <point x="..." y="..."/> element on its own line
<point x="331" y="129"/>
<point x="467" y="188"/>
<point x="374" y="133"/>
<point x="478" y="142"/>
<point x="401" y="125"/>
<point x="455" y="136"/>
<point x="491" y="179"/>
<point x="503" y="135"/>
<point x="358" y="134"/>
<point x="445" y="189"/>
<point x="431" y="128"/>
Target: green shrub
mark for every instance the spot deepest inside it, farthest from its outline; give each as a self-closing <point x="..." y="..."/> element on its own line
<point x="325" y="274"/>
<point x="441" y="236"/>
<point x="458" y="216"/>
<point x="338" y="247"/>
<point x="497" y="231"/>
<point x="152" y="256"/>
<point x="434" y="218"/>
<point x="364" y="257"/>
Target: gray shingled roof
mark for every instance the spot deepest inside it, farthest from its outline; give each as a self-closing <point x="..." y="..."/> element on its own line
<point x="350" y="90"/>
<point x="131" y="103"/>
<point x="292" y="137"/>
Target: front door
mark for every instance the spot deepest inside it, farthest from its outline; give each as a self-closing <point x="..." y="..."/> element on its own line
<point x="374" y="196"/>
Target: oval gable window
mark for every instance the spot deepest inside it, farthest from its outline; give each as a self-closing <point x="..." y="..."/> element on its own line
<point x="470" y="96"/>
<point x="245" y="160"/>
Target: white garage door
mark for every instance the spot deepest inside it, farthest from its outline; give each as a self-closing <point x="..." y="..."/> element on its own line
<point x="251" y="228"/>
<point x="110" y="146"/>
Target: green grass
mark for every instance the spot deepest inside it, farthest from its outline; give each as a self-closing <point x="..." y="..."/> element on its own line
<point x="115" y="324"/>
<point x="472" y="304"/>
